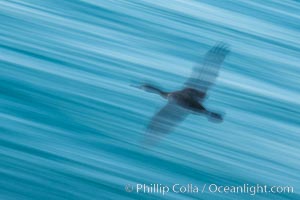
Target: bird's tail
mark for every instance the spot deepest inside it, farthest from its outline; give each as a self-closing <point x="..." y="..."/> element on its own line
<point x="215" y="117"/>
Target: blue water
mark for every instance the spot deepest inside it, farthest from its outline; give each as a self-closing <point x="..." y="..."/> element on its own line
<point x="72" y="126"/>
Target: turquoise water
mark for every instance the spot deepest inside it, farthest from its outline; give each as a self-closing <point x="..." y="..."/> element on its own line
<point x="72" y="126"/>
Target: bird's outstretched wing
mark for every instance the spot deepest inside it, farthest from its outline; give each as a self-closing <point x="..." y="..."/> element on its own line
<point x="205" y="74"/>
<point x="164" y="122"/>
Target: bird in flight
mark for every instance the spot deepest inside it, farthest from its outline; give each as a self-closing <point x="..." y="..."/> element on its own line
<point x="190" y="99"/>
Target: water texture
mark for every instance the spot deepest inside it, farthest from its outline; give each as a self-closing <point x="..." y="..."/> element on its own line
<point x="71" y="125"/>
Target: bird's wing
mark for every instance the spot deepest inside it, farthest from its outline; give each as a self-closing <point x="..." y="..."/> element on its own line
<point x="205" y="74"/>
<point x="164" y="121"/>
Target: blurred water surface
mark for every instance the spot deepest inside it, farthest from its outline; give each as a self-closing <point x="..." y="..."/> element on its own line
<point x="71" y="125"/>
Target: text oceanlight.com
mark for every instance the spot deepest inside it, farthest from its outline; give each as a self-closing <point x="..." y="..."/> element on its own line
<point x="210" y="188"/>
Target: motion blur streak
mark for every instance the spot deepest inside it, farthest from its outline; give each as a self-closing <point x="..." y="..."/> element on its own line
<point x="71" y="124"/>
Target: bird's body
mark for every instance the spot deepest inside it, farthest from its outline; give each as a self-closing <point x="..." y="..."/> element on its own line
<point x="188" y="100"/>
<point x="187" y="97"/>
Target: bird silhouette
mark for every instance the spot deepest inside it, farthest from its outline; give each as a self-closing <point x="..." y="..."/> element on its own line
<point x="188" y="100"/>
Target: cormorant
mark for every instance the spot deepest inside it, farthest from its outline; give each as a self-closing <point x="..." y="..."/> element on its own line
<point x="190" y="98"/>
